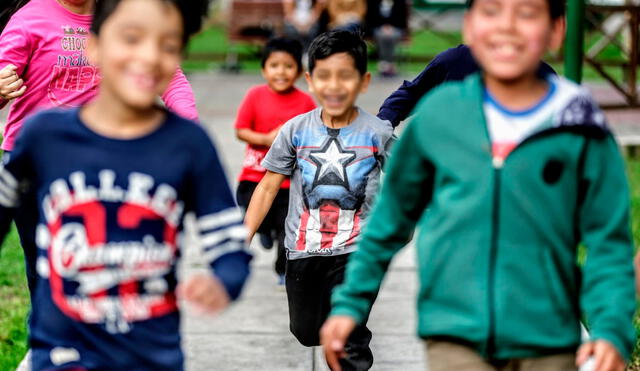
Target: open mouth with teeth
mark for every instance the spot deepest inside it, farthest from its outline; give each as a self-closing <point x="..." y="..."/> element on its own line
<point x="144" y="81"/>
<point x="506" y="50"/>
<point x="334" y="100"/>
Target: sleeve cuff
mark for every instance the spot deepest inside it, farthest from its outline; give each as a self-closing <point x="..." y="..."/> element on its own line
<point x="276" y="169"/>
<point x="232" y="270"/>
<point x="621" y="345"/>
<point x="349" y="312"/>
<point x="388" y="115"/>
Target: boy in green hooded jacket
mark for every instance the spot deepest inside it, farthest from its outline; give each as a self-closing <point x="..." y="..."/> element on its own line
<point x="517" y="170"/>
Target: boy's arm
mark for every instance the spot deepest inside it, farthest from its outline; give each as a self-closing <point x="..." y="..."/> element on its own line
<point x="218" y="219"/>
<point x="15" y="49"/>
<point x="261" y="201"/>
<point x="279" y="162"/>
<point x="405" y="193"/>
<point x="607" y="293"/>
<point x="16" y="173"/>
<point x="255" y="138"/>
<point x="179" y="96"/>
<point x="9" y="201"/>
<point x="401" y="102"/>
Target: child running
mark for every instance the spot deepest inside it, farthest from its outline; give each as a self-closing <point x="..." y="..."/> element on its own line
<point x="44" y="64"/>
<point x="334" y="155"/>
<point x="263" y="111"/>
<point x="113" y="181"/>
<point x="517" y="170"/>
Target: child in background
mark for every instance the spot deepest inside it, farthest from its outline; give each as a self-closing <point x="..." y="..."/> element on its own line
<point x="44" y="64"/>
<point x="454" y="64"/>
<point x="346" y="14"/>
<point x="302" y="19"/>
<point x="334" y="155"/>
<point x="521" y="172"/>
<point x="263" y="111"/>
<point x="113" y="181"/>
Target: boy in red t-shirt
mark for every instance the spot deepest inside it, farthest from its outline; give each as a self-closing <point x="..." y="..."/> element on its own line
<point x="264" y="109"/>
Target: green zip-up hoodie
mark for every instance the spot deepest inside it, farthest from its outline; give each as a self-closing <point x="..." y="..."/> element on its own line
<point x="496" y="251"/>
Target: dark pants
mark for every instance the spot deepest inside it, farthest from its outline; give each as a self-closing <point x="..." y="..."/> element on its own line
<point x="310" y="282"/>
<point x="273" y="223"/>
<point x="26" y="220"/>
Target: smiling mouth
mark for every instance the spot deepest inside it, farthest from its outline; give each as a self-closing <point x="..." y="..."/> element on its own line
<point x="144" y="81"/>
<point x="506" y="50"/>
<point x="334" y="101"/>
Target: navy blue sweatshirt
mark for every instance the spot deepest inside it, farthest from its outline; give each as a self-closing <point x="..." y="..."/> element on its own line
<point x="453" y="64"/>
<point x="110" y="218"/>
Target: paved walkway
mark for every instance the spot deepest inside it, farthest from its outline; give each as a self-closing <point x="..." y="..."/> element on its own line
<point x="253" y="334"/>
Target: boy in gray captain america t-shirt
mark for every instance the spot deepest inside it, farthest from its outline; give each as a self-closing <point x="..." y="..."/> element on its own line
<point x="334" y="155"/>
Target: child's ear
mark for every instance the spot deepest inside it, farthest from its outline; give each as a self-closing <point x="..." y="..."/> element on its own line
<point x="307" y="76"/>
<point x="467" y="37"/>
<point x="92" y="49"/>
<point x="366" y="79"/>
<point x="262" y="72"/>
<point x="557" y="33"/>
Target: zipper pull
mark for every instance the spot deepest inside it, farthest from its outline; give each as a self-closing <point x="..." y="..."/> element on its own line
<point x="497" y="162"/>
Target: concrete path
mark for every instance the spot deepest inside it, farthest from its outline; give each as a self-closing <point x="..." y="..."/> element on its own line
<point x="253" y="334"/>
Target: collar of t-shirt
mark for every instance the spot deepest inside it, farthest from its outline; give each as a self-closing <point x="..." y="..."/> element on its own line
<point x="508" y="128"/>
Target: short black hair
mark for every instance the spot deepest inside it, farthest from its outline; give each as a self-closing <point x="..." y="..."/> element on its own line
<point x="192" y="12"/>
<point x="282" y="44"/>
<point x="556" y="7"/>
<point x="339" y="41"/>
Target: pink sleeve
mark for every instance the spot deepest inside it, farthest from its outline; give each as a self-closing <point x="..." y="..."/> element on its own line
<point x="15" y="47"/>
<point x="179" y="96"/>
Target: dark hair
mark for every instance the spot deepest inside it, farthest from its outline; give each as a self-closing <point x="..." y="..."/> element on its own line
<point x="192" y="12"/>
<point x="7" y="9"/>
<point x="556" y="7"/>
<point x="339" y="41"/>
<point x="282" y="44"/>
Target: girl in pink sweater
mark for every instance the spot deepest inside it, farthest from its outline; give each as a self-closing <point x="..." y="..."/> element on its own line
<point x="43" y="64"/>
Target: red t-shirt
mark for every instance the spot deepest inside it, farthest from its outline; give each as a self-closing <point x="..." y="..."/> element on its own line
<point x="263" y="110"/>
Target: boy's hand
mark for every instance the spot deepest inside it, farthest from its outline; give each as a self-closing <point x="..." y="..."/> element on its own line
<point x="333" y="336"/>
<point x="11" y="85"/>
<point x="205" y="292"/>
<point x="606" y="356"/>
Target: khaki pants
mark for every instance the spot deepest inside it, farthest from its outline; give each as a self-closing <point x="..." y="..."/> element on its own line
<point x="446" y="356"/>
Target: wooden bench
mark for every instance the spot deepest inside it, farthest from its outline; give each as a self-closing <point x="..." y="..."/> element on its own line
<point x="253" y="22"/>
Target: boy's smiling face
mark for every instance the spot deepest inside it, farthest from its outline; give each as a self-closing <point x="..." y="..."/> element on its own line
<point x="336" y="83"/>
<point x="138" y="50"/>
<point x="281" y="71"/>
<point x="508" y="38"/>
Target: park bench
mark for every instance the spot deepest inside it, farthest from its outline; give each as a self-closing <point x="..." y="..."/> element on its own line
<point x="252" y="22"/>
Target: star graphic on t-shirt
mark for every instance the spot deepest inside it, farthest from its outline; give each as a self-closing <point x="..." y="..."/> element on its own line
<point x="331" y="161"/>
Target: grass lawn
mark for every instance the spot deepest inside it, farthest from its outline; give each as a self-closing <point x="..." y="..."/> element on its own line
<point x="207" y="51"/>
<point x="14" y="303"/>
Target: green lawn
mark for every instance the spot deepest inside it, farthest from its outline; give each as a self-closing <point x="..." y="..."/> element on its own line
<point x="14" y="303"/>
<point x="208" y="49"/>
